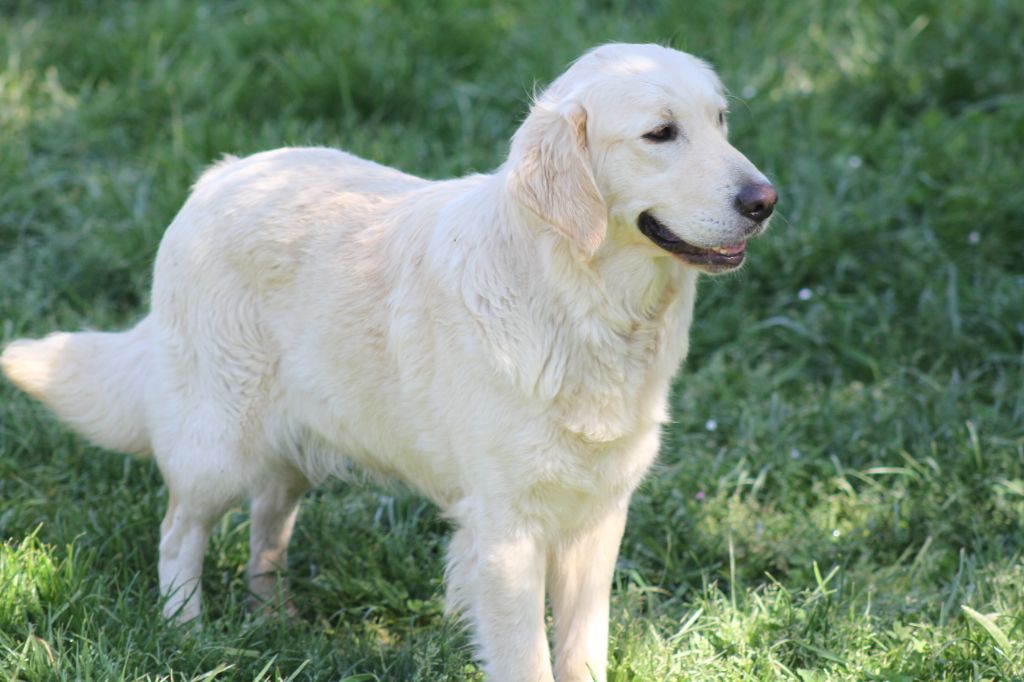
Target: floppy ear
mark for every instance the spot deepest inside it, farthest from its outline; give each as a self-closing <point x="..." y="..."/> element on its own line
<point x="551" y="174"/>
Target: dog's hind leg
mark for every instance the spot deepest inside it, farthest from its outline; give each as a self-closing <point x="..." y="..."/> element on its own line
<point x="273" y="513"/>
<point x="202" y="483"/>
<point x="184" y="535"/>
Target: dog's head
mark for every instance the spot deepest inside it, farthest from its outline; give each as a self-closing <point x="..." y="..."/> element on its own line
<point x="629" y="147"/>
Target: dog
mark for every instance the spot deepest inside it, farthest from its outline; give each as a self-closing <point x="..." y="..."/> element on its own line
<point x="503" y="343"/>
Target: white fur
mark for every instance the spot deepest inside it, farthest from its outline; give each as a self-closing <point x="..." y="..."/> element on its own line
<point x="502" y="343"/>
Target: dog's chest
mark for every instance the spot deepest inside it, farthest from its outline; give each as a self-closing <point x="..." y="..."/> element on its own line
<point x="573" y="483"/>
<point x="615" y="384"/>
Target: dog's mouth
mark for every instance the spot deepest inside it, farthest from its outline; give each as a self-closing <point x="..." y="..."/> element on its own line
<point x="717" y="259"/>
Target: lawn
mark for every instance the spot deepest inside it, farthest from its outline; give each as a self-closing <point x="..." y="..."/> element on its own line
<point x="841" y="493"/>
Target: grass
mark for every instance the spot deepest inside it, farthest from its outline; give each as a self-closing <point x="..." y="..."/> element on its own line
<point x="841" y="495"/>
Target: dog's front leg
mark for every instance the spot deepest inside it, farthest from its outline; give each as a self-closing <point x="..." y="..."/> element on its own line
<point x="497" y="578"/>
<point x="580" y="579"/>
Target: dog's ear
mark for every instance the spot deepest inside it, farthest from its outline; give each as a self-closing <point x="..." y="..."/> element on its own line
<point x="551" y="174"/>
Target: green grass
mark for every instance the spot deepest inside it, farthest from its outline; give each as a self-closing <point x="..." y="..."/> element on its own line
<point x="857" y="511"/>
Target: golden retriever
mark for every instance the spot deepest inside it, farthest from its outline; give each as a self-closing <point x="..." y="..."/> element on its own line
<point x="502" y="343"/>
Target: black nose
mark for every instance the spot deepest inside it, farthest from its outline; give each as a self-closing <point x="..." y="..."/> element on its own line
<point x="756" y="201"/>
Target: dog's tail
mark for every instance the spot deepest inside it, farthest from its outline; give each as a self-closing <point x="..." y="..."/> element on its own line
<point x="94" y="381"/>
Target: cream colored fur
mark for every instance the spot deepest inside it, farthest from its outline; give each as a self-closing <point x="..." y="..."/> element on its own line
<point x="502" y="343"/>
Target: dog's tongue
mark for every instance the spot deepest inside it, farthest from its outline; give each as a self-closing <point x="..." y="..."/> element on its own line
<point x="732" y="249"/>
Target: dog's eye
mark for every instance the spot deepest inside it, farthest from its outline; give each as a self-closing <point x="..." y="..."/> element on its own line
<point x="721" y="118"/>
<point x="665" y="133"/>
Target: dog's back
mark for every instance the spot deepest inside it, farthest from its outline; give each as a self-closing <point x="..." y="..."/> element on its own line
<point x="207" y="268"/>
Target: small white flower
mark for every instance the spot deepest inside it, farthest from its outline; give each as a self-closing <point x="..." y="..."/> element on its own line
<point x="795" y="454"/>
<point x="973" y="238"/>
<point x="835" y="533"/>
<point x="711" y="425"/>
<point x="804" y="294"/>
<point x="855" y="162"/>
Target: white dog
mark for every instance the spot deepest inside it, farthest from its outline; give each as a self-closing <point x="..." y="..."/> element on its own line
<point x="502" y="343"/>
